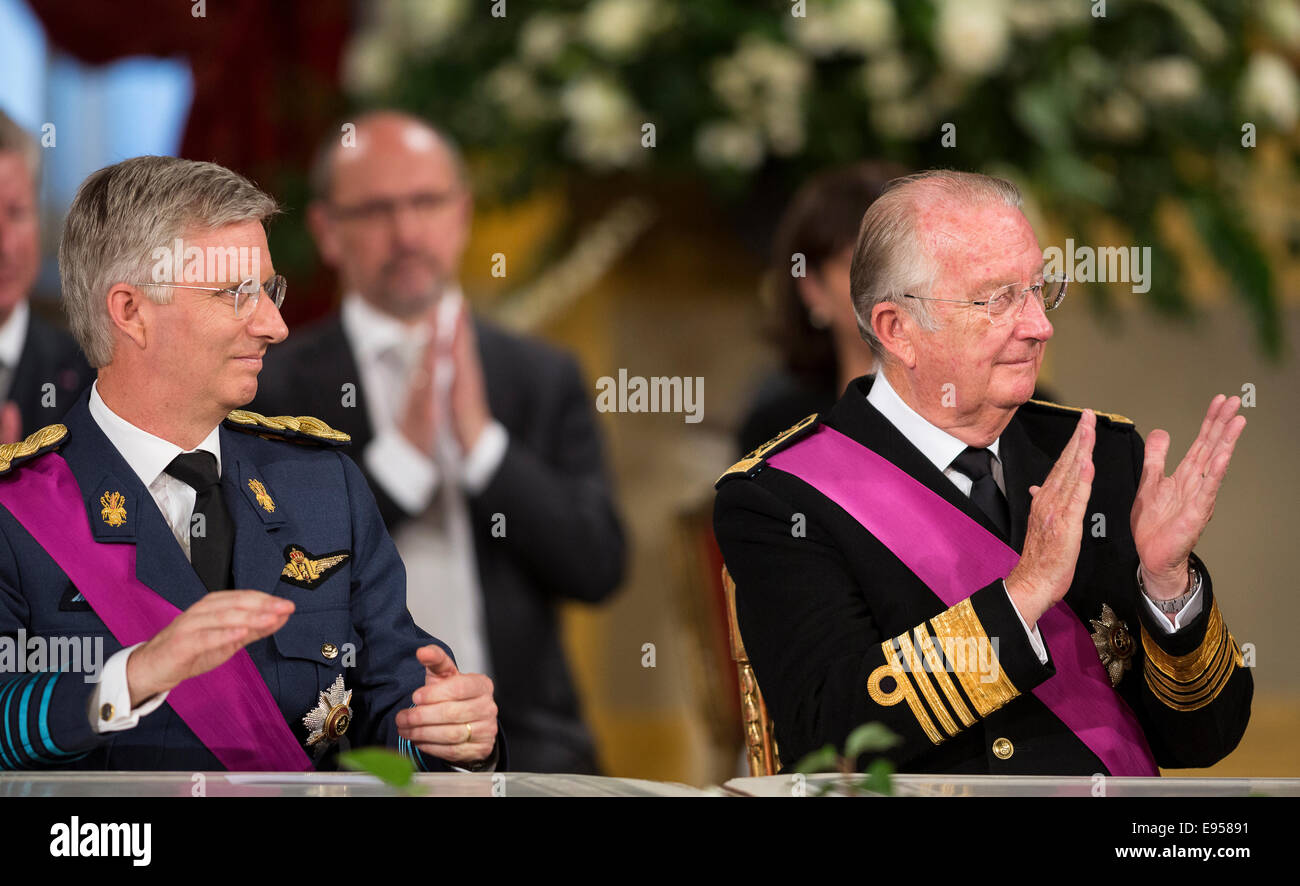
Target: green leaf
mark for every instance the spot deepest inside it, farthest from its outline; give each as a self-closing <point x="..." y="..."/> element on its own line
<point x="880" y="777"/>
<point x="822" y="760"/>
<point x="870" y="738"/>
<point x="390" y="767"/>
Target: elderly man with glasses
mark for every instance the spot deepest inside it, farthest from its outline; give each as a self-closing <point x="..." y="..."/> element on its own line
<point x="226" y="576"/>
<point x="1009" y="585"/>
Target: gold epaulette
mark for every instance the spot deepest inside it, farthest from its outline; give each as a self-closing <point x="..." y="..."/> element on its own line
<point x="46" y="439"/>
<point x="296" y="429"/>
<point x="1189" y="682"/>
<point x="753" y="460"/>
<point x="1114" y="417"/>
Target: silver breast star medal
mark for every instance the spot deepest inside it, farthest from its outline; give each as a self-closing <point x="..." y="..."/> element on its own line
<point x="1114" y="644"/>
<point x="331" y="717"/>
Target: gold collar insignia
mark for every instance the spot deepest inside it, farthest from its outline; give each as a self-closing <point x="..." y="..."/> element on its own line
<point x="113" y="508"/>
<point x="263" y="498"/>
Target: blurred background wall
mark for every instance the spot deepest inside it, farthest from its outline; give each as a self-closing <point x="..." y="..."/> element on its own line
<point x="631" y="159"/>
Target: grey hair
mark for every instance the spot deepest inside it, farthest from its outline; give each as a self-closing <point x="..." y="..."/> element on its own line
<point x="122" y="213"/>
<point x="890" y="259"/>
<point x="15" y="139"/>
<point x="320" y="177"/>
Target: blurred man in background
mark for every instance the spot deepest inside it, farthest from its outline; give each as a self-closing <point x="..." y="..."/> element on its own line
<point x="480" y="446"/>
<point x="41" y="368"/>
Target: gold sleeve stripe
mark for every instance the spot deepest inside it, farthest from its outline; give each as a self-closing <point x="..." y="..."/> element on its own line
<point x="1182" y="698"/>
<point x="1190" y="682"/>
<point x="940" y="672"/>
<point x="960" y="628"/>
<point x="902" y="691"/>
<point x="922" y="678"/>
<point x="1187" y="668"/>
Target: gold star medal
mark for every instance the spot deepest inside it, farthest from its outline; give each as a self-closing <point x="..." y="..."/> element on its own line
<point x="1114" y="644"/>
<point x="331" y="717"/>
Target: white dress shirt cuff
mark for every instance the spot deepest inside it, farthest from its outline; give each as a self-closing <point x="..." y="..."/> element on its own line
<point x="484" y="459"/>
<point x="1035" y="637"/>
<point x="112" y="696"/>
<point x="1182" y="617"/>
<point x="404" y="472"/>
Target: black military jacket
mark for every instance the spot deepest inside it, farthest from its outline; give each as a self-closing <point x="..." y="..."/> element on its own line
<point x="822" y="608"/>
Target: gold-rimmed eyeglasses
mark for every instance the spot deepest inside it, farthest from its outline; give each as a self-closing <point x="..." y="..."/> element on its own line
<point x="1009" y="301"/>
<point x="244" y="294"/>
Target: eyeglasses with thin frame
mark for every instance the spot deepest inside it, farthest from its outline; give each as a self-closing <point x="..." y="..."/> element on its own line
<point x="1009" y="301"/>
<point x="245" y="293"/>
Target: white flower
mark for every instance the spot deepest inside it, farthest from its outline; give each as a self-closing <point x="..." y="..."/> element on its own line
<point x="831" y="26"/>
<point x="1171" y="80"/>
<point x="1281" y="19"/>
<point x="764" y="83"/>
<point x="887" y="76"/>
<point x="617" y="28"/>
<point x="514" y="88"/>
<point x="900" y="118"/>
<point x="972" y="36"/>
<point x="426" y="24"/>
<point x="729" y="144"/>
<point x="1039" y="18"/>
<point x="1120" y="117"/>
<point x="604" y="131"/>
<point x="1269" y="87"/>
<point x="543" y="37"/>
<point x="369" y="65"/>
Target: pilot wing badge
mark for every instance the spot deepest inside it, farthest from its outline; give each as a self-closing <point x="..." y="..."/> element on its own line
<point x="307" y="570"/>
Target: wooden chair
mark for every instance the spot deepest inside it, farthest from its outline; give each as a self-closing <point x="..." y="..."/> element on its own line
<point x="760" y="740"/>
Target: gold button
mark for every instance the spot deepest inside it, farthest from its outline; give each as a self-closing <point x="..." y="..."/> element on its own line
<point x="1003" y="749"/>
<point x="106" y="712"/>
<point x="330" y="651"/>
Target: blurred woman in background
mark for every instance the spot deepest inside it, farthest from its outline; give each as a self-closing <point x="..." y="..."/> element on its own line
<point x="810" y="316"/>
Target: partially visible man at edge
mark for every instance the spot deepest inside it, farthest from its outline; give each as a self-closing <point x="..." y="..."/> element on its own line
<point x="1001" y="613"/>
<point x="130" y="523"/>
<point x="41" y="368"/>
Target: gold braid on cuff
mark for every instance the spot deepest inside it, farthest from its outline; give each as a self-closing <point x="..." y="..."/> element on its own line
<point x="1190" y="682"/>
<point x="922" y="666"/>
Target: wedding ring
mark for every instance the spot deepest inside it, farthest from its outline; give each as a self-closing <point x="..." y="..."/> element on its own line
<point x="469" y="733"/>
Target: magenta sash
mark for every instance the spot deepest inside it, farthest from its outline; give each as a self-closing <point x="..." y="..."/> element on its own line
<point x="955" y="556"/>
<point x="229" y="708"/>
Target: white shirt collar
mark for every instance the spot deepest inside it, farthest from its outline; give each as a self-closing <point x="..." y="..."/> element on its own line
<point x="147" y="455"/>
<point x="373" y="332"/>
<point x="936" y="444"/>
<point x="13" y="334"/>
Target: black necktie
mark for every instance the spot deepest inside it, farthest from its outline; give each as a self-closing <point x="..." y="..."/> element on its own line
<point x="212" y="540"/>
<point x="978" y="465"/>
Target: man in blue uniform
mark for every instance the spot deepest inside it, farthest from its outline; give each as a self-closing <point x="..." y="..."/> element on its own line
<point x="129" y="525"/>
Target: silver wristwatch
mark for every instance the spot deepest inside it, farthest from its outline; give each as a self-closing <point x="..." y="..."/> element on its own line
<point x="1177" y="603"/>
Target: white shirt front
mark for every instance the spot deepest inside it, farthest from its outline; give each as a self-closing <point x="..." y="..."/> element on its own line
<point x="149" y="457"/>
<point x="443" y="591"/>
<point x="941" y="448"/>
<point x="13" y="335"/>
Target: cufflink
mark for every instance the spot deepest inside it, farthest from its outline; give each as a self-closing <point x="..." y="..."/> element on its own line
<point x="106" y="712"/>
